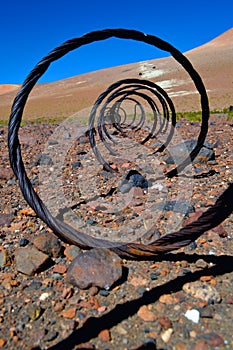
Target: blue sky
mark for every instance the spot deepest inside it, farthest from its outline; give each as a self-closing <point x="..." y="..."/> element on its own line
<point x="30" y="29"/>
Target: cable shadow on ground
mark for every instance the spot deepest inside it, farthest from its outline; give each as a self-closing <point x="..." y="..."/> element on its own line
<point x="93" y="325"/>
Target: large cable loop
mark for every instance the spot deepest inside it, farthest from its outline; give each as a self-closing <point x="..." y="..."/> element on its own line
<point x="211" y="218"/>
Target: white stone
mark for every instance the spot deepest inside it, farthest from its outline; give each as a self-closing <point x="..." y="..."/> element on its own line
<point x="193" y="315"/>
<point x="44" y="296"/>
<point x="157" y="186"/>
<point x="166" y="335"/>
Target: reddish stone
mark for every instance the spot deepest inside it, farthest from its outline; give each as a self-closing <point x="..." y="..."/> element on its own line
<point x="206" y="278"/>
<point x="2" y="342"/>
<point x="48" y="244"/>
<point x="145" y="314"/>
<point x="114" y="166"/>
<point x="96" y="267"/>
<point x="58" y="306"/>
<point x="29" y="260"/>
<point x="102" y="308"/>
<point x="192" y="217"/>
<point x="168" y="299"/>
<point x="27" y="212"/>
<point x="229" y="299"/>
<point x="220" y="231"/>
<point x="138" y="281"/>
<point x="69" y="313"/>
<point x="125" y="165"/>
<point x="90" y="304"/>
<point x="165" y="323"/>
<point x="60" y="268"/>
<point x="105" y="335"/>
<point x="72" y="252"/>
<point x="67" y="292"/>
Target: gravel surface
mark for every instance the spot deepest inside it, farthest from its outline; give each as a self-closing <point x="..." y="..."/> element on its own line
<point x="182" y="300"/>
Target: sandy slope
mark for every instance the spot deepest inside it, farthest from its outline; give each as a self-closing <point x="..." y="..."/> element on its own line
<point x="213" y="61"/>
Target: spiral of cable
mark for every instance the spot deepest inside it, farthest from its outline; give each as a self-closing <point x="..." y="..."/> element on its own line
<point x="112" y="112"/>
<point x="130" y="90"/>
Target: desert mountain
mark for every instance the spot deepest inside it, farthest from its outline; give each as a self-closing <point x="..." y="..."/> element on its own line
<point x="213" y="61"/>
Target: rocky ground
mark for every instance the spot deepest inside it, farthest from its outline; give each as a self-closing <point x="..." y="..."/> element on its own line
<point x="53" y="295"/>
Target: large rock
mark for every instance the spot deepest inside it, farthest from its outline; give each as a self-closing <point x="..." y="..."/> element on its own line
<point x="96" y="267"/>
<point x="29" y="260"/>
<point x="48" y="244"/>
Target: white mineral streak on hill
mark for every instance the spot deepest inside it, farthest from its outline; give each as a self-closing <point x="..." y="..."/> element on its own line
<point x="213" y="61"/>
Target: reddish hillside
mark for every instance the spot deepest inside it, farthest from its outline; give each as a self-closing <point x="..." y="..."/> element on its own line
<point x="5" y="88"/>
<point x="213" y="61"/>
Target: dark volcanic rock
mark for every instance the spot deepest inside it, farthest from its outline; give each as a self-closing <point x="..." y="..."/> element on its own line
<point x="133" y="179"/>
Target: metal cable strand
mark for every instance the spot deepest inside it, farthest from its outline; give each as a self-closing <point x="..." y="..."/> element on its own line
<point x="212" y="217"/>
<point x="208" y="220"/>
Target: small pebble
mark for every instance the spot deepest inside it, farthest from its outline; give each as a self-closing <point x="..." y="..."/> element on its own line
<point x="166" y="335"/>
<point x="145" y="314"/>
<point x="51" y="335"/>
<point x="69" y="313"/>
<point x="23" y="242"/>
<point x="229" y="300"/>
<point x="59" y="268"/>
<point x="72" y="252"/>
<point x="193" y="315"/>
<point x="44" y="296"/>
<point x="104" y="335"/>
<point x="165" y="323"/>
<point x="2" y="342"/>
<point x="104" y="293"/>
<point x="34" y="312"/>
<point x="5" y="259"/>
<point x="153" y="276"/>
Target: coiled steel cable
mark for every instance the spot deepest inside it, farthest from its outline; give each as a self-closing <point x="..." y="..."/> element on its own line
<point x="211" y="218"/>
<point x="125" y="89"/>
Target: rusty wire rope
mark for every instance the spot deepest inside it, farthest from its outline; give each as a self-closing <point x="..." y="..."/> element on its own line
<point x="211" y="218"/>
